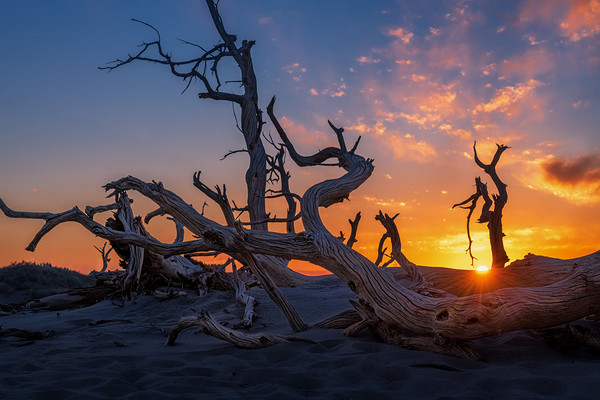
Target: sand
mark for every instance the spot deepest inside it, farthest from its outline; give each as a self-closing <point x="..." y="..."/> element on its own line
<point x="116" y="351"/>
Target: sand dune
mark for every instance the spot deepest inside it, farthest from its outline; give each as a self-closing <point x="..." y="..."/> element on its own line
<point x="114" y="350"/>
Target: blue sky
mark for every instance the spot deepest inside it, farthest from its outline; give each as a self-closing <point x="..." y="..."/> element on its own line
<point x="420" y="81"/>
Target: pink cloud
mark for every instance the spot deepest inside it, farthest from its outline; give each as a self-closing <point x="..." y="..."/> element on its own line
<point x="448" y="129"/>
<point x="367" y="60"/>
<point x="295" y="70"/>
<point x="408" y="148"/>
<point x="528" y="65"/>
<point x="401" y="34"/>
<point x="576" y="19"/>
<point x="506" y="97"/>
<point x="582" y="20"/>
<point x="299" y="135"/>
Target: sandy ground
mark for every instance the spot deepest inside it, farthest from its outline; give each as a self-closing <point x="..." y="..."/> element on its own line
<point x="126" y="358"/>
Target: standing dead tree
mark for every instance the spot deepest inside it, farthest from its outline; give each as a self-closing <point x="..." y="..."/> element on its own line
<point x="399" y="314"/>
<point x="493" y="217"/>
<point x="104" y="254"/>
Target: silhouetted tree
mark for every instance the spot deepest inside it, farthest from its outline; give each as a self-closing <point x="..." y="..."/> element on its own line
<point x="493" y="217"/>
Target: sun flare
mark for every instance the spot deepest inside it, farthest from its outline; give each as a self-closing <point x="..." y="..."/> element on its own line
<point x="482" y="269"/>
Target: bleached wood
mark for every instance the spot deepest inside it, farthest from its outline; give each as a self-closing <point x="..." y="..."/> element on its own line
<point x="212" y="327"/>
<point x="244" y="298"/>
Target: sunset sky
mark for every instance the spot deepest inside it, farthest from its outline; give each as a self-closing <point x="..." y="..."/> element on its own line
<point x="420" y="81"/>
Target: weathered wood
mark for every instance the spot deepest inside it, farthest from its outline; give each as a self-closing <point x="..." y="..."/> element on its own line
<point x="256" y="267"/>
<point x="104" y="254"/>
<point x="213" y="328"/>
<point x="248" y="301"/>
<point x="459" y="318"/>
<point x="531" y="271"/>
<point x="136" y="253"/>
<point x="275" y="294"/>
<point x="341" y="320"/>
<point x="499" y="257"/>
<point x="353" y="230"/>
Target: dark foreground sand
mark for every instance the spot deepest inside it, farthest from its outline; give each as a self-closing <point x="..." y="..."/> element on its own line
<point x="126" y="358"/>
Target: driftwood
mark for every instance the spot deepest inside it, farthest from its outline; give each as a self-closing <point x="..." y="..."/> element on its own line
<point x="248" y="301"/>
<point x="433" y="313"/>
<point x="213" y="328"/>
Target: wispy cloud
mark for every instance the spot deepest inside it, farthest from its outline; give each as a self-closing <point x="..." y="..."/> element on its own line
<point x="299" y="134"/>
<point x="368" y="60"/>
<point x="408" y="148"/>
<point x="532" y="63"/>
<point x="506" y="97"/>
<point x="450" y="130"/>
<point x="575" y="19"/>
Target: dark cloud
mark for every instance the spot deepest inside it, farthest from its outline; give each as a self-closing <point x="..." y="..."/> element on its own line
<point x="581" y="170"/>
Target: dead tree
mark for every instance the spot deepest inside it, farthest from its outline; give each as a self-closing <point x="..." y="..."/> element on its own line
<point x="205" y="69"/>
<point x="104" y="254"/>
<point x="493" y="217"/>
<point x="407" y="316"/>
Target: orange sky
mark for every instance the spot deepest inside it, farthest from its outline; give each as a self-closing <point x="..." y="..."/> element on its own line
<point x="419" y="82"/>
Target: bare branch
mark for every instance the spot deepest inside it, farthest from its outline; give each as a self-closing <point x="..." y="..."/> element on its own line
<point x="230" y="152"/>
<point x="104" y="254"/>
<point x="471" y="207"/>
<point x="75" y="215"/>
<point x="91" y="211"/>
<point x="277" y="165"/>
<point x="340" y="137"/>
<point x="490" y="169"/>
<point x="178" y="230"/>
<point x="213" y="328"/>
<point x="353" y="230"/>
<point x="213" y="55"/>
<point x="218" y="196"/>
<point x="380" y="249"/>
<point x="302" y="161"/>
<point x="158" y="212"/>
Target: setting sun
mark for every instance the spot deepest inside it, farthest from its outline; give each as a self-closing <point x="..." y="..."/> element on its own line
<point x="482" y="269"/>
